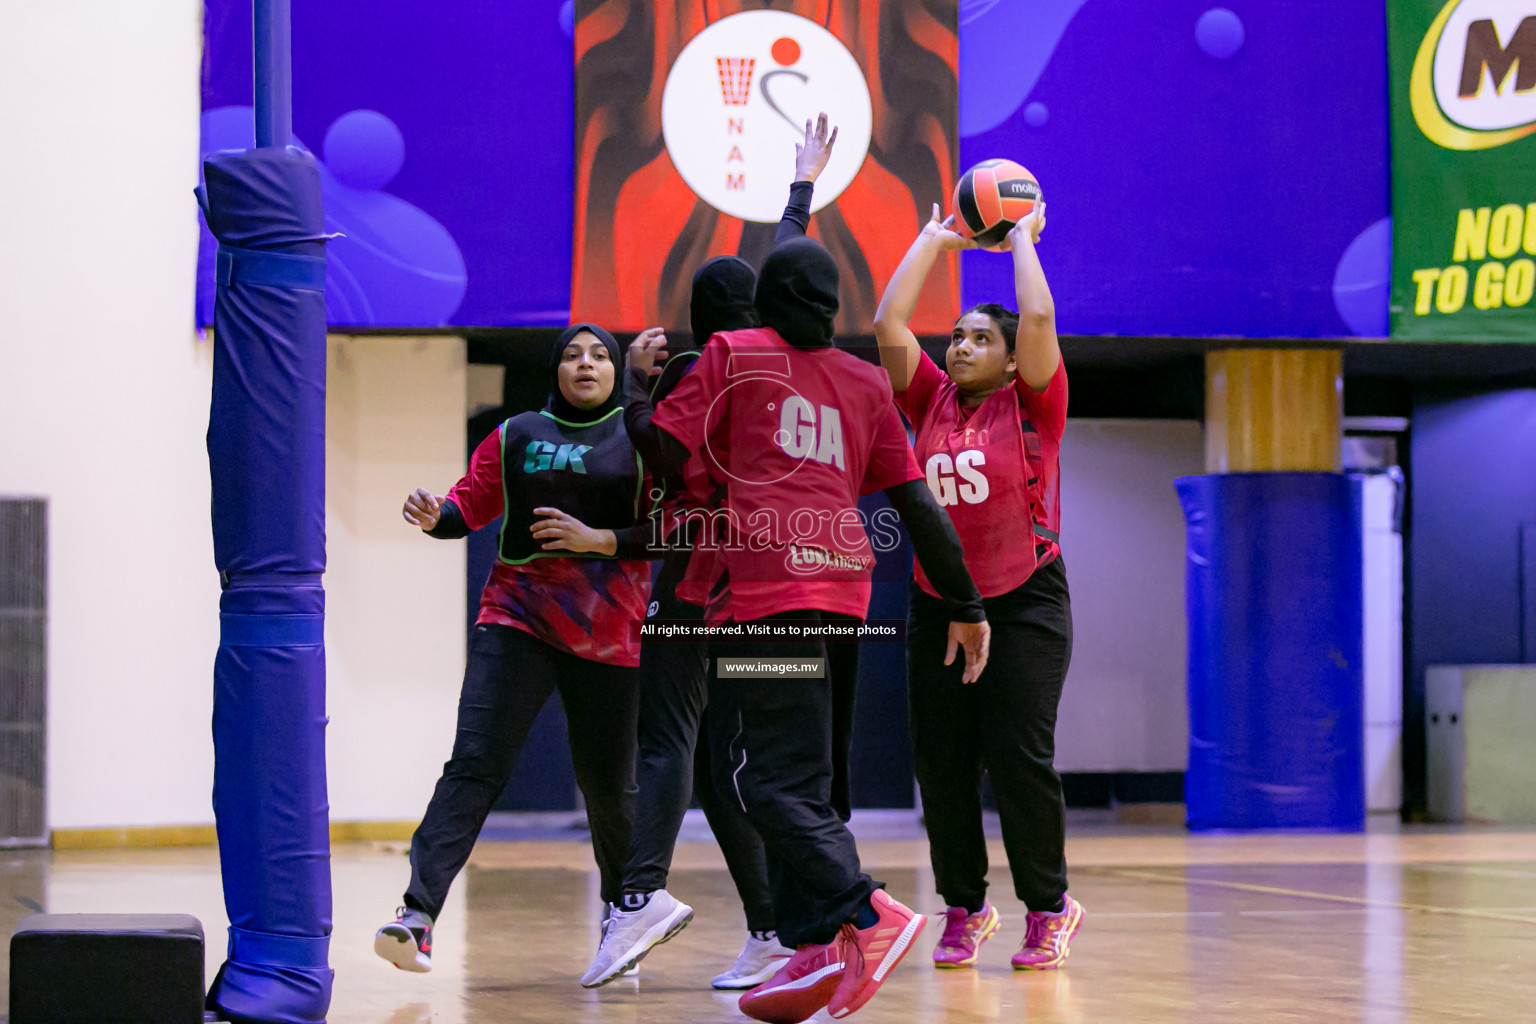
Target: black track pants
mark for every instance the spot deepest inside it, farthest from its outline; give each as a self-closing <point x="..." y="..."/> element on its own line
<point x="507" y="680"/>
<point x="675" y="740"/>
<point x="786" y="740"/>
<point x="1003" y="724"/>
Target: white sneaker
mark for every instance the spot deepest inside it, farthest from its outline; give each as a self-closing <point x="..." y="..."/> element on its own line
<point x="634" y="969"/>
<point x="759" y="960"/>
<point x="631" y="934"/>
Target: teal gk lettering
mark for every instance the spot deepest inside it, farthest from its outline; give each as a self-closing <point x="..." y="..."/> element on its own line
<point x="544" y="455"/>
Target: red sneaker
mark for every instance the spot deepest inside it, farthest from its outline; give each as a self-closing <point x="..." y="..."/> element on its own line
<point x="872" y="952"/>
<point x="799" y="988"/>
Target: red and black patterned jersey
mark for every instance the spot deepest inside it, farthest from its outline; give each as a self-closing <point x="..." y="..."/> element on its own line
<point x="580" y="604"/>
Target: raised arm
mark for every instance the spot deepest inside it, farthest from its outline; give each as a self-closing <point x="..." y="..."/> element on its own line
<point x="1037" y="350"/>
<point x="811" y="158"/>
<point x="899" y="351"/>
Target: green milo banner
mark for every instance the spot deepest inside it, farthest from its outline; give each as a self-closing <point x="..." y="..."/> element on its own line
<point x="1463" y="80"/>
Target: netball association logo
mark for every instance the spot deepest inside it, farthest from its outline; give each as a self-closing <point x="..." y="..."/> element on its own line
<point x="736" y="102"/>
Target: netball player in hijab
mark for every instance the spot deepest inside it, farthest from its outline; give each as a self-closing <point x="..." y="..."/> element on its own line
<point x="807" y="429"/>
<point x="569" y="580"/>
<point x="674" y="735"/>
<point x="989" y="430"/>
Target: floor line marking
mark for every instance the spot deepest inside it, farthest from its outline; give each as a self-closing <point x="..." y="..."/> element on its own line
<point x="1304" y="913"/>
<point x="1100" y="915"/>
<point x="1269" y="890"/>
<point x="1473" y="869"/>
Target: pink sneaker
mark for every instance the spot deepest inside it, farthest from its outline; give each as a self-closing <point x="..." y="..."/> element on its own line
<point x="803" y="985"/>
<point x="1048" y="936"/>
<point x="963" y="935"/>
<point x="871" y="953"/>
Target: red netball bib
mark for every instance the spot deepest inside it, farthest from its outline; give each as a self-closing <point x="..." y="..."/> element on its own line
<point x="983" y="472"/>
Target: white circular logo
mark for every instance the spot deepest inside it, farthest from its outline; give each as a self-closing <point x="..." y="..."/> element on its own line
<point x="736" y="102"/>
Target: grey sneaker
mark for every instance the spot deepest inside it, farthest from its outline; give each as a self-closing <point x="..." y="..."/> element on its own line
<point x="630" y="935"/>
<point x="406" y="941"/>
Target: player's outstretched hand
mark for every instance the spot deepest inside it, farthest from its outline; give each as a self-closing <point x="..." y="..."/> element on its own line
<point x="649" y="346"/>
<point x="811" y="156"/>
<point x="976" y="638"/>
<point x="942" y="233"/>
<point x="423" y="509"/>
<point x="1030" y="227"/>
<point x="562" y="532"/>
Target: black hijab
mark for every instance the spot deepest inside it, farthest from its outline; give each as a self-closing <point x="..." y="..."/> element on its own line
<point x="721" y="301"/>
<point x="558" y="405"/>
<point x="722" y="298"/>
<point x="797" y="293"/>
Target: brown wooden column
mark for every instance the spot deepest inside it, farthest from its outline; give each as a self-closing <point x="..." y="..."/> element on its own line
<point x="1273" y="410"/>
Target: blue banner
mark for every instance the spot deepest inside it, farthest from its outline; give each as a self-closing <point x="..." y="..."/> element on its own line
<point x="1208" y="171"/>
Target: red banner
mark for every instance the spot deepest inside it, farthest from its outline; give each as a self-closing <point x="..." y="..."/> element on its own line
<point x="687" y="116"/>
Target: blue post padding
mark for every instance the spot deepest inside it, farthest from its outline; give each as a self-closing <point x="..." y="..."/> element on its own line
<point x="251" y="266"/>
<point x="271" y="630"/>
<point x="1276" y="707"/>
<point x="266" y="453"/>
<point x="281" y="950"/>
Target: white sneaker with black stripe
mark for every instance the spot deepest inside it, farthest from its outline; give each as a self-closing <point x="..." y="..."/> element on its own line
<point x="631" y="934"/>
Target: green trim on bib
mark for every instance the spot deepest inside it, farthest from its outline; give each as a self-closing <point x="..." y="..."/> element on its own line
<point x="567" y="423"/>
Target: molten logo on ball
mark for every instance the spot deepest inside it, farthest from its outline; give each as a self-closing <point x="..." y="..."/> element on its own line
<point x="736" y="102"/>
<point x="991" y="198"/>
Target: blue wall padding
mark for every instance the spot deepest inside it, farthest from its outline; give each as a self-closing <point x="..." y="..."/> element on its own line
<point x="266" y="454"/>
<point x="1276" y="705"/>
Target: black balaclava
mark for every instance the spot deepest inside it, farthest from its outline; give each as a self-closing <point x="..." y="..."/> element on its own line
<point x="558" y="405"/>
<point x="721" y="301"/>
<point x="797" y="293"/>
<point x="722" y="298"/>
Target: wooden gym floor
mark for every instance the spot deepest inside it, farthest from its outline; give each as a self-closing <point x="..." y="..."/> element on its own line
<point x="1396" y="925"/>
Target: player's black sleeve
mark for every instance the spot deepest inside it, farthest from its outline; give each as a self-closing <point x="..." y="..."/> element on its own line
<point x="450" y="523"/>
<point x="938" y="548"/>
<point x="797" y="215"/>
<point x="633" y="543"/>
<point x="662" y="453"/>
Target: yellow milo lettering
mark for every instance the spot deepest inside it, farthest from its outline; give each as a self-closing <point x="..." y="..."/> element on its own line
<point x="1504" y="231"/>
<point x="1472" y="234"/>
<point x="1425" y="279"/>
<point x="1488" y="287"/>
<point x="1519" y="281"/>
<point x="1451" y="289"/>
<point x="1529" y="243"/>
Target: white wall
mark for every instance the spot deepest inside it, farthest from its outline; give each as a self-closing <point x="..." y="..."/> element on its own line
<point x="104" y="389"/>
<point x="104" y="395"/>
<point x="394" y="631"/>
<point x="1124" y="706"/>
<point x="1382" y="660"/>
